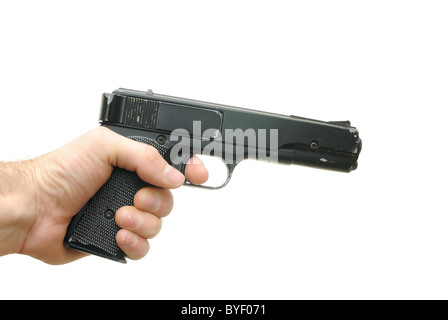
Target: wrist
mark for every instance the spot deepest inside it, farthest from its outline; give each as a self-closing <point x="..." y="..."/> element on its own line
<point x="18" y="204"/>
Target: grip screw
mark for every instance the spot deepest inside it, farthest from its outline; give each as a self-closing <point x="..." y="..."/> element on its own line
<point x="109" y="214"/>
<point x="314" y="145"/>
<point x="161" y="139"/>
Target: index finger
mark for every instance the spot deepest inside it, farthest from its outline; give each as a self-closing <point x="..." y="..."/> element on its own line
<point x="195" y="171"/>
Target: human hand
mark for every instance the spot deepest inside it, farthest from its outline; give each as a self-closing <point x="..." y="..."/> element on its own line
<point x="39" y="197"/>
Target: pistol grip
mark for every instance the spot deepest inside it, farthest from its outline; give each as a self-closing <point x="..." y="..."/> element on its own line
<point x="93" y="230"/>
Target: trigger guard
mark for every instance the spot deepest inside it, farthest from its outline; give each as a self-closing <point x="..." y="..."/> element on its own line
<point x="230" y="168"/>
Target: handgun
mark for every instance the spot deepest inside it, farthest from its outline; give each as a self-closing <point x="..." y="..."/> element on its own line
<point x="180" y="128"/>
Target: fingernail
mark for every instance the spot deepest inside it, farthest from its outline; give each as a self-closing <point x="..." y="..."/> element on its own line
<point x="174" y="176"/>
<point x="151" y="203"/>
<point x="128" y="240"/>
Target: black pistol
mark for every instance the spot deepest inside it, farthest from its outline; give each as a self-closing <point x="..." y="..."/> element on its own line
<point x="180" y="128"/>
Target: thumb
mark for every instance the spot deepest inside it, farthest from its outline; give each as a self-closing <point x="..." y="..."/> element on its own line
<point x="139" y="157"/>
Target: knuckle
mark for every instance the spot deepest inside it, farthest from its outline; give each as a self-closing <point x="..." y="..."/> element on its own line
<point x="153" y="229"/>
<point x="151" y="153"/>
<point x="167" y="203"/>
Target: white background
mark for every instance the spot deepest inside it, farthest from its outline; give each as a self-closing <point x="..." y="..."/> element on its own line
<point x="275" y="232"/>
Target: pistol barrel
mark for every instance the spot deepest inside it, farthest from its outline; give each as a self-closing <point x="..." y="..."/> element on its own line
<point x="333" y="145"/>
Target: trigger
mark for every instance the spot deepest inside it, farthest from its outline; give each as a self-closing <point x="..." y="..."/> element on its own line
<point x="220" y="173"/>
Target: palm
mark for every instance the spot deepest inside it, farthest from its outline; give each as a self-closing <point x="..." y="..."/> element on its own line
<point x="68" y="185"/>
